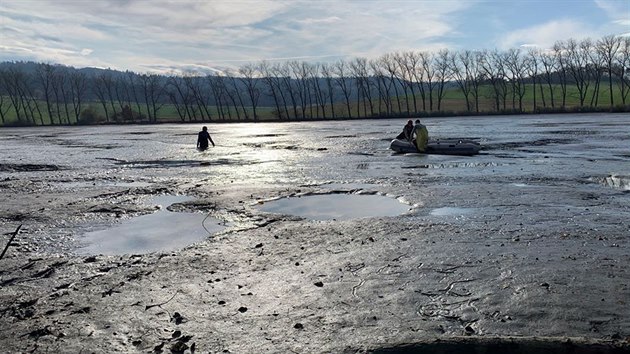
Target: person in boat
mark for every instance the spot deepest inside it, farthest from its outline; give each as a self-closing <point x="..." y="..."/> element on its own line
<point x="203" y="138"/>
<point x="421" y="136"/>
<point x="407" y="133"/>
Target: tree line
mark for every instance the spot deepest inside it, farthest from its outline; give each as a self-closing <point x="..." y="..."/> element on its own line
<point x="403" y="83"/>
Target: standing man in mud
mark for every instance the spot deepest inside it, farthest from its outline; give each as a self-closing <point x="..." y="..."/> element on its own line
<point x="203" y="138"/>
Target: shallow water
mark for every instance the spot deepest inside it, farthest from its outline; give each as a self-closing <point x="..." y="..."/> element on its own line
<point x="530" y="166"/>
<point x="160" y="231"/>
<point x="338" y="152"/>
<point x="336" y="206"/>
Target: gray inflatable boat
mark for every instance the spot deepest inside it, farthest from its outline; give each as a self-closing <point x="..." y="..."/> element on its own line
<point x="439" y="147"/>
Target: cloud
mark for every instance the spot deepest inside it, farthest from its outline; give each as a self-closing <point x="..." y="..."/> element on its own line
<point x="197" y="35"/>
<point x="545" y="35"/>
<point x="616" y="9"/>
<point x="326" y="20"/>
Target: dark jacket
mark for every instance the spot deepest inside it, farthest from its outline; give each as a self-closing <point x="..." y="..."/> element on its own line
<point x="202" y="140"/>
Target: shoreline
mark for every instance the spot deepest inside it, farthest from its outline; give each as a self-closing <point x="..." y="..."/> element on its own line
<point x="276" y="120"/>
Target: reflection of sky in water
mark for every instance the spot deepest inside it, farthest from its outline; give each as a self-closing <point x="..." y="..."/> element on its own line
<point x="160" y="231"/>
<point x="534" y="154"/>
<point x="317" y="152"/>
<point x="336" y="206"/>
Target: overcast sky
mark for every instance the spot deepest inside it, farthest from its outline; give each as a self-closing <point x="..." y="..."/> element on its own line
<point x="163" y="36"/>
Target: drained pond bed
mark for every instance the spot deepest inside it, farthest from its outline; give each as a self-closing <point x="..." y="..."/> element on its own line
<point x="314" y="237"/>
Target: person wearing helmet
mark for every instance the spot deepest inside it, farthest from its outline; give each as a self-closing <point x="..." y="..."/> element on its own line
<point x="203" y="138"/>
<point x="407" y="133"/>
<point x="422" y="136"/>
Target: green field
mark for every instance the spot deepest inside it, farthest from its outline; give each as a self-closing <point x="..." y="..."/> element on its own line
<point x="453" y="103"/>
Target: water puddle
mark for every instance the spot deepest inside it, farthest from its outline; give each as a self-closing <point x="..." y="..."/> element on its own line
<point x="450" y="211"/>
<point x="336" y="206"/>
<point x="161" y="231"/>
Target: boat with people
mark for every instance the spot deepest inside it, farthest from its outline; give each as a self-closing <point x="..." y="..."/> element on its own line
<point x="464" y="147"/>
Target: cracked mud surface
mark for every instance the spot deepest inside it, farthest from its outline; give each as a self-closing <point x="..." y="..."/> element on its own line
<point x="522" y="247"/>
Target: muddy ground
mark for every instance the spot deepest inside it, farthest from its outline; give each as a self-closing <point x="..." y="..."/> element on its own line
<point x="533" y="256"/>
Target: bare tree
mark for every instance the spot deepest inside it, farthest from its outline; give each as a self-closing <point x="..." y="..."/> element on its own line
<point x="45" y="74"/>
<point x="59" y="87"/>
<point x="360" y="71"/>
<point x="595" y="68"/>
<point x="121" y="92"/>
<point x="532" y="61"/>
<point x="608" y="47"/>
<point x="31" y="100"/>
<point x="249" y="77"/>
<point x="321" y="97"/>
<point x="413" y="64"/>
<point x="517" y="68"/>
<point x="622" y="65"/>
<point x="134" y="89"/>
<point x="300" y="74"/>
<point x="99" y="87"/>
<point x="383" y="87"/>
<point x="428" y="78"/>
<point x="465" y="69"/>
<point x="341" y="79"/>
<point x="14" y="83"/>
<point x="5" y="107"/>
<point x="442" y="74"/>
<point x="178" y="94"/>
<point x="110" y="87"/>
<point x="577" y="61"/>
<point x="78" y="89"/>
<point x="282" y="79"/>
<point x="123" y="97"/>
<point x="235" y="94"/>
<point x="404" y="76"/>
<point x="5" y="104"/>
<point x="220" y="95"/>
<point x="153" y="93"/>
<point x="494" y="72"/>
<point x="326" y="71"/>
<point x="389" y="64"/>
<point x="197" y="97"/>
<point x="561" y="58"/>
<point x="272" y="84"/>
<point x="549" y="66"/>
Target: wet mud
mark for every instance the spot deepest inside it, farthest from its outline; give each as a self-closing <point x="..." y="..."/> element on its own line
<point x="27" y="167"/>
<point x="507" y="251"/>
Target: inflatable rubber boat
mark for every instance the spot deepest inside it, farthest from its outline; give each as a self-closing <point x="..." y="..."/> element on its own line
<point x="440" y="147"/>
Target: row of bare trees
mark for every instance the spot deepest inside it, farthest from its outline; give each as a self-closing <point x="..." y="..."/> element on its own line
<point x="52" y="94"/>
<point x="401" y="83"/>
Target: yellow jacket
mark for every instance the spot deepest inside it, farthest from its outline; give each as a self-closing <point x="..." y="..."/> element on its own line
<point x="422" y="137"/>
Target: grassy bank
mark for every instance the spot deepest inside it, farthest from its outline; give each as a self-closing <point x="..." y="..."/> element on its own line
<point x="452" y="104"/>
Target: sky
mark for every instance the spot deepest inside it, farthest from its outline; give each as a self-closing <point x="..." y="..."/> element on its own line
<point x="178" y="36"/>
